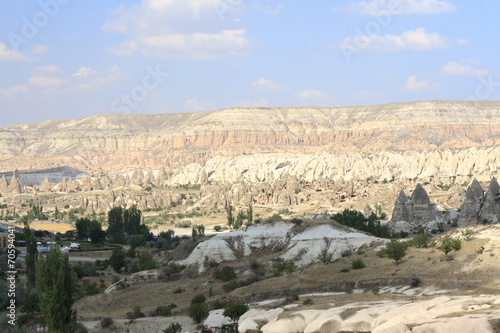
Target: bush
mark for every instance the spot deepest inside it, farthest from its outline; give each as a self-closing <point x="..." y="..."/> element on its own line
<point x="275" y="217"/>
<point x="467" y="234"/>
<point x="414" y="280"/>
<point x="164" y="310"/>
<point x="325" y="257"/>
<point x="225" y="274"/>
<point x="448" y="244"/>
<point x="396" y="250"/>
<point x="230" y="286"/>
<point x="200" y="298"/>
<point x="420" y="240"/>
<point x="344" y="270"/>
<point x="173" y="328"/>
<point x="135" y="313"/>
<point x="357" y="263"/>
<point x="217" y="228"/>
<point x="235" y="311"/>
<point x="198" y="312"/>
<point x="107" y="322"/>
<point x="183" y="224"/>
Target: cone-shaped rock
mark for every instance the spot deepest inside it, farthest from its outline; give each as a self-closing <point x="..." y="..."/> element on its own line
<point x="471" y="206"/>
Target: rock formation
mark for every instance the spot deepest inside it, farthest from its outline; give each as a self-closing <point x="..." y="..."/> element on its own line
<point x="116" y="141"/>
<point x="16" y="185"/>
<point x="469" y="211"/>
<point x="411" y="214"/>
<point x="45" y="186"/>
<point x="490" y="211"/>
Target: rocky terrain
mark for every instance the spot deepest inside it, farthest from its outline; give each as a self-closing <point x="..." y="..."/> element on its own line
<point x="117" y="142"/>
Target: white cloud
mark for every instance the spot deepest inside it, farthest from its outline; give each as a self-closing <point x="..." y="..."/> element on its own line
<point x="40" y="49"/>
<point x="412" y="85"/>
<point x="401" y="7"/>
<point x="195" y="105"/>
<point x="367" y="95"/>
<point x="453" y="68"/>
<point x="416" y="40"/>
<point x="47" y="78"/>
<point x="261" y="101"/>
<point x="191" y="29"/>
<point x="267" y="10"/>
<point x="310" y="94"/>
<point x="47" y="70"/>
<point x="12" y="91"/>
<point x="312" y="97"/>
<point x="267" y="85"/>
<point x="45" y="81"/>
<point x="10" y="55"/>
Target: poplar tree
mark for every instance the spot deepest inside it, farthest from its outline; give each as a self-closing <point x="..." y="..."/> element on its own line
<point x="55" y="289"/>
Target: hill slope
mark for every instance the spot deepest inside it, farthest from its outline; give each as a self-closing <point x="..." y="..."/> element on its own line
<point x="116" y="141"/>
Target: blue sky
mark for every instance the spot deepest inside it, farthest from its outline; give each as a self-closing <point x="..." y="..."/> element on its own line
<point x="71" y="59"/>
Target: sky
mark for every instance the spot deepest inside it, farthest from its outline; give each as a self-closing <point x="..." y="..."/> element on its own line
<point x="63" y="59"/>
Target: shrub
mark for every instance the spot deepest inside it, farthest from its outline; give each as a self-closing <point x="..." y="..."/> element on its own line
<point x="344" y="270"/>
<point x="217" y="228"/>
<point x="325" y="257"/>
<point x="357" y="263"/>
<point x="200" y="298"/>
<point x="230" y="286"/>
<point x="467" y="234"/>
<point x="183" y="224"/>
<point x="178" y="290"/>
<point x="198" y="311"/>
<point x="274" y="217"/>
<point x="307" y="301"/>
<point x="107" y="322"/>
<point x="448" y="244"/>
<point x="414" y="280"/>
<point x="173" y="328"/>
<point x="164" y="310"/>
<point x="395" y="250"/>
<point x="135" y="313"/>
<point x="481" y="250"/>
<point x="225" y="274"/>
<point x="420" y="240"/>
<point x="235" y="311"/>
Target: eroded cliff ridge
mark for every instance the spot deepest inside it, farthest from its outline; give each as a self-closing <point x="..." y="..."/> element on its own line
<point x="123" y="141"/>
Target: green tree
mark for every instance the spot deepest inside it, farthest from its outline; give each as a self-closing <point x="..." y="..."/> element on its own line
<point x="115" y="225"/>
<point x="449" y="244"/>
<point x="250" y="215"/>
<point x="173" y="328"/>
<point x="31" y="254"/>
<point x="421" y="239"/>
<point x="198" y="312"/>
<point x="395" y="250"/>
<point x="235" y="311"/>
<point x="239" y="219"/>
<point x="132" y="220"/>
<point x="230" y="216"/>
<point x="56" y="289"/>
<point x="117" y="259"/>
<point x="96" y="234"/>
<point x="82" y="227"/>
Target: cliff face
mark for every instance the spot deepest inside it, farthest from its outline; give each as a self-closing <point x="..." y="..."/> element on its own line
<point x="117" y="141"/>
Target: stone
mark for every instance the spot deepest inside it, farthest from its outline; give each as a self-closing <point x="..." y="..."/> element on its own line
<point x="367" y="212"/>
<point x="45" y="186"/>
<point x="490" y="210"/>
<point x="411" y="214"/>
<point x="471" y="207"/>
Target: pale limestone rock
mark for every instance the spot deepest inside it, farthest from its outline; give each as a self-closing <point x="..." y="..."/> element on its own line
<point x="46" y="186"/>
<point x="4" y="186"/>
